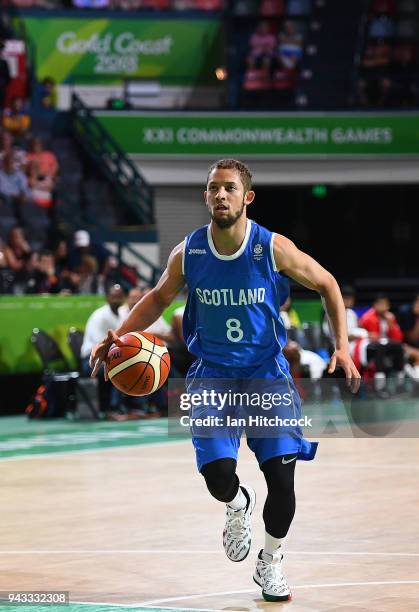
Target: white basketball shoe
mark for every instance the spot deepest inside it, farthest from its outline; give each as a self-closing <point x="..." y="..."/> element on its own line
<point x="237" y="534"/>
<point x="269" y="576"/>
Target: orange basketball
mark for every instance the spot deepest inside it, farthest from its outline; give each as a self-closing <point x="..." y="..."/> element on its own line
<point x="140" y="365"/>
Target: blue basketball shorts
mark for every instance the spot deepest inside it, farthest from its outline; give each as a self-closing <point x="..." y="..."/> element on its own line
<point x="226" y="444"/>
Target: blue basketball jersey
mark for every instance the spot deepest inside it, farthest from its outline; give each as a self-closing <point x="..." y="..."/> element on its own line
<point x="232" y="313"/>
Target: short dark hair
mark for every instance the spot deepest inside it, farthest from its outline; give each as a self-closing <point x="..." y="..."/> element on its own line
<point x="234" y="164"/>
<point x="347" y="291"/>
<point x="380" y="296"/>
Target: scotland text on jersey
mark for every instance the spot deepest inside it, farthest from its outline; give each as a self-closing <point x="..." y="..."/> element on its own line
<point x="231" y="297"/>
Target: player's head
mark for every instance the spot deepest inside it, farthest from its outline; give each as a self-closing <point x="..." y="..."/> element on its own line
<point x="229" y="191"/>
<point x="381" y="303"/>
<point x="115" y="297"/>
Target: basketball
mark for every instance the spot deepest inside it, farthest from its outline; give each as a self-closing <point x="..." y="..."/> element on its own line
<point x="139" y="365"/>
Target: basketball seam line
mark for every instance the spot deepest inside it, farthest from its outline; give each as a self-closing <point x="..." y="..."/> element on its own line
<point x="151" y="353"/>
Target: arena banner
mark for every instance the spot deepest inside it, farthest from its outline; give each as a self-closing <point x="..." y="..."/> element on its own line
<point x="103" y="51"/>
<point x="287" y="135"/>
<point x="55" y="314"/>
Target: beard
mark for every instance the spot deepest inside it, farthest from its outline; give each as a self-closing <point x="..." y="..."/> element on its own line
<point x="228" y="221"/>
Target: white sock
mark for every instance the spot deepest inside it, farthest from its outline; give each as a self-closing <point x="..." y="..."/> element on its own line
<point x="239" y="502"/>
<point x="271" y="545"/>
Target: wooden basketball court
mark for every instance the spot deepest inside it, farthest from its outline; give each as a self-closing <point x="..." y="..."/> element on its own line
<point x="135" y="526"/>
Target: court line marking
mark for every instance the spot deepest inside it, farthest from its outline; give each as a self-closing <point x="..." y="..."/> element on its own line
<point x="89" y="450"/>
<point x="302" y="586"/>
<point x="140" y="607"/>
<point x="154" y="551"/>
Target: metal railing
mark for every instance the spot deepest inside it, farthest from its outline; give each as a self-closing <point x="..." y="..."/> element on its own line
<point x="131" y="188"/>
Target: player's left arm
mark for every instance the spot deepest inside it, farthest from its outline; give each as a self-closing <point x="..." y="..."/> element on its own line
<point x="308" y="272"/>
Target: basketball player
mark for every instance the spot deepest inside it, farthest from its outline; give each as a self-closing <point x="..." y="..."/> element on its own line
<point x="237" y="274"/>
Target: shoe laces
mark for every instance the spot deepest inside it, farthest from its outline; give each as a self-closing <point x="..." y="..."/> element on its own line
<point x="238" y="523"/>
<point x="272" y="571"/>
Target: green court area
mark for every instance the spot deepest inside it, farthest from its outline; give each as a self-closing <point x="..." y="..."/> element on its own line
<point x="87" y="607"/>
<point x="20" y="437"/>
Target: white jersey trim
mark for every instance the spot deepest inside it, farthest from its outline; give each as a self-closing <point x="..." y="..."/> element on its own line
<point x="183" y="256"/>
<point x="272" y="253"/>
<point x="237" y="253"/>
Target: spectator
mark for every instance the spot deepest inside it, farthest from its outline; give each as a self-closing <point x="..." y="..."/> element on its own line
<point x="16" y="120"/>
<point x="100" y="321"/>
<point x="374" y="87"/>
<point x="7" y="146"/>
<point x="87" y="276"/>
<point x="48" y="93"/>
<point x="299" y="8"/>
<point x="262" y="47"/>
<point x="382" y="27"/>
<point x="355" y="331"/>
<point x="159" y="328"/>
<point x="84" y="246"/>
<point x="44" y="278"/>
<point x="384" y="349"/>
<point x="17" y="249"/>
<point x="13" y="183"/>
<point x="47" y="162"/>
<point x="383" y="7"/>
<point x="4" y="75"/>
<point x="41" y="186"/>
<point x="290" y="45"/>
<point x="409" y="324"/>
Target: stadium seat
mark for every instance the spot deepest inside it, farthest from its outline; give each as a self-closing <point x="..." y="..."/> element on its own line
<point x="51" y="355"/>
<point x="158" y="5"/>
<point x="299" y="8"/>
<point x="245" y="7"/>
<point x="284" y="79"/>
<point x="272" y="8"/>
<point x="406" y="29"/>
<point x="256" y="79"/>
<point x="209" y="5"/>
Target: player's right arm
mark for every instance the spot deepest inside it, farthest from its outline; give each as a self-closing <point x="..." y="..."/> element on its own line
<point x="148" y="309"/>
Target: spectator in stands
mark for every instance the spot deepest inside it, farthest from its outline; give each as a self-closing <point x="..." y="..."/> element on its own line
<point x="262" y="47"/>
<point x="86" y="279"/>
<point x="409" y="324"/>
<point x="41" y="185"/>
<point x="382" y="27"/>
<point x="404" y="92"/>
<point x="17" y="249"/>
<point x="159" y="328"/>
<point x="13" y="182"/>
<point x="48" y="164"/>
<point x="7" y="146"/>
<point x="272" y="8"/>
<point x="44" y="278"/>
<point x="383" y="7"/>
<point x="100" y="321"/>
<point x="298" y="8"/>
<point x="384" y="347"/>
<point x="16" y="120"/>
<point x="4" y="75"/>
<point x="375" y="83"/>
<point x="83" y="245"/>
<point x="355" y="331"/>
<point x="48" y="93"/>
<point x="290" y="47"/>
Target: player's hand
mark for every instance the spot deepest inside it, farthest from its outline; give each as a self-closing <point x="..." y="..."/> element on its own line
<point x="99" y="352"/>
<point x="344" y="360"/>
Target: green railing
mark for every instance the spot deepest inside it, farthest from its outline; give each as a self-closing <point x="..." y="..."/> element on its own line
<point x="131" y="188"/>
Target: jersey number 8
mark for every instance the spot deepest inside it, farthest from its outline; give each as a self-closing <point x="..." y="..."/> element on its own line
<point x="234" y="330"/>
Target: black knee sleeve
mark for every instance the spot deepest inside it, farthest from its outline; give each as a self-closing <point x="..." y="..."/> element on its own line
<point x="279" y="508"/>
<point x="221" y="479"/>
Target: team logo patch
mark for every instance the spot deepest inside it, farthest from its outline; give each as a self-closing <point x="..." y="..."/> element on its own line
<point x="197" y="252"/>
<point x="257" y="251"/>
